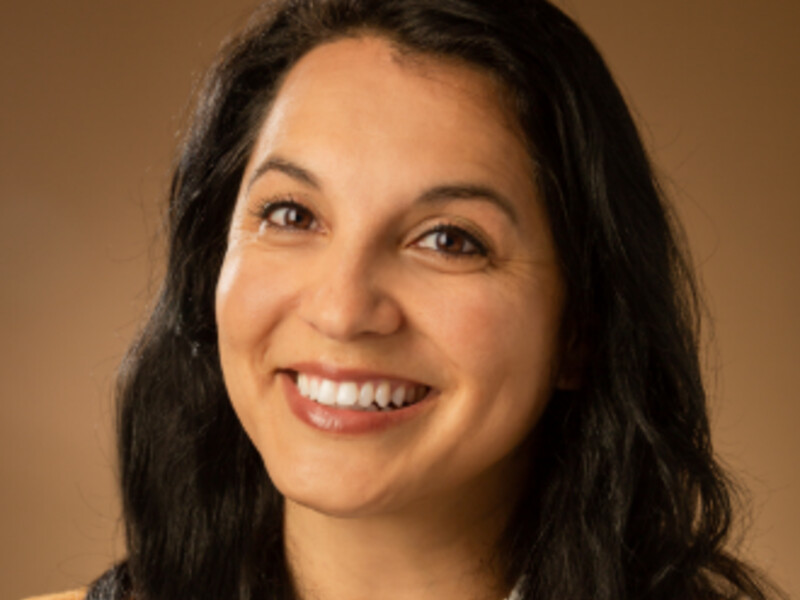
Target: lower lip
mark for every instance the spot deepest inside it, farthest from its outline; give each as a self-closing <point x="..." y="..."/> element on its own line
<point x="343" y="421"/>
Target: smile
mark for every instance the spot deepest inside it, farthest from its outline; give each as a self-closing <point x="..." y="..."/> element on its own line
<point x="350" y="402"/>
<point x="372" y="395"/>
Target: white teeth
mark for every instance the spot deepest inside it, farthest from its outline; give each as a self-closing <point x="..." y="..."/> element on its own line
<point x="382" y="394"/>
<point x="370" y="396"/>
<point x="302" y="384"/>
<point x="398" y="396"/>
<point x="327" y="392"/>
<point x="367" y="395"/>
<point x="348" y="394"/>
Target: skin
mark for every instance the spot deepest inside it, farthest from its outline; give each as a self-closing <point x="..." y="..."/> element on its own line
<point x="357" y="277"/>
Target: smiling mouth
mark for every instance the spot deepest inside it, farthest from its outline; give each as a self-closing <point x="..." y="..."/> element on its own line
<point x="369" y="396"/>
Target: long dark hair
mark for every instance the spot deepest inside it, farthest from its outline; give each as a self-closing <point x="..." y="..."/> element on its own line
<point x="627" y="500"/>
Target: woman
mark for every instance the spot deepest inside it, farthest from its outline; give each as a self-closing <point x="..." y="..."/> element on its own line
<point x="426" y="329"/>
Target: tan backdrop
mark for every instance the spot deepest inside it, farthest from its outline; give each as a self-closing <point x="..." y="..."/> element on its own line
<point x="91" y="95"/>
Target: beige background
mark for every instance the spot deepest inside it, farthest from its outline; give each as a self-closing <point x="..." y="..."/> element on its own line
<point x="91" y="95"/>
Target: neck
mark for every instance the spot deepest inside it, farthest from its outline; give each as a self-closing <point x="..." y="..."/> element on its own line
<point x="439" y="549"/>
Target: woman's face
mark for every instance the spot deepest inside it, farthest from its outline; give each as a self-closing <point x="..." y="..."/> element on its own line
<point x="388" y="248"/>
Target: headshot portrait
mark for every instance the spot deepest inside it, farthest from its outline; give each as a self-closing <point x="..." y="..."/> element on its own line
<point x="401" y="299"/>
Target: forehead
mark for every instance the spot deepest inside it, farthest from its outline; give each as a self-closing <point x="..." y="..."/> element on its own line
<point x="372" y="101"/>
<point x="372" y="72"/>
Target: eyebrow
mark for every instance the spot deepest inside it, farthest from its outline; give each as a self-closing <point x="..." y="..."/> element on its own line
<point x="468" y="191"/>
<point x="440" y="194"/>
<point x="287" y="167"/>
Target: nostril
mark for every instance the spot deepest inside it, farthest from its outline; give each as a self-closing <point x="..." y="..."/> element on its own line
<point x="344" y="318"/>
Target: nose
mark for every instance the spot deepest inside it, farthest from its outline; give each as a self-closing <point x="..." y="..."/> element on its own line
<point x="347" y="295"/>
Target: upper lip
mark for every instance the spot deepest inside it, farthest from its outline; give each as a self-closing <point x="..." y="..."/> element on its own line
<point x="342" y="374"/>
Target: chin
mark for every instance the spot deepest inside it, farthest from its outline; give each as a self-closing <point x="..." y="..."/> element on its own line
<point x="331" y="489"/>
<point x="336" y="500"/>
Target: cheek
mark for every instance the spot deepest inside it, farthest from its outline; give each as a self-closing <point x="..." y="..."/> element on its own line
<point x="494" y="331"/>
<point x="253" y="297"/>
<point x="235" y="302"/>
<point x="502" y="344"/>
<point x="250" y="297"/>
<point x="498" y="345"/>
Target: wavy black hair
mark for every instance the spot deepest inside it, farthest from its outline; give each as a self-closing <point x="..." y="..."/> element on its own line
<point x="627" y="501"/>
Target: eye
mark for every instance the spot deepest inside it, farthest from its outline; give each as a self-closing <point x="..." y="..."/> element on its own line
<point x="287" y="214"/>
<point x="452" y="242"/>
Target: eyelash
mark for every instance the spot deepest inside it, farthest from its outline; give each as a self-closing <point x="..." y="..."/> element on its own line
<point x="479" y="248"/>
<point x="269" y="208"/>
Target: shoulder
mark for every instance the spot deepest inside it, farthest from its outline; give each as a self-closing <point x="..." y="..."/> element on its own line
<point x="74" y="595"/>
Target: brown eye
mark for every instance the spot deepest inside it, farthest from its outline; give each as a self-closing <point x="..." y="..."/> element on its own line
<point x="287" y="215"/>
<point x="452" y="242"/>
